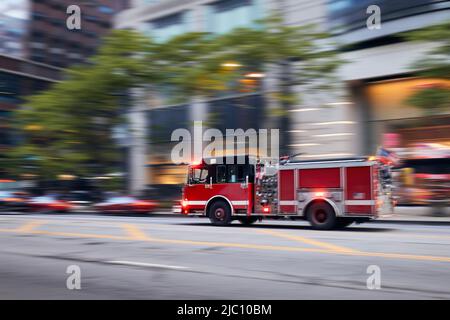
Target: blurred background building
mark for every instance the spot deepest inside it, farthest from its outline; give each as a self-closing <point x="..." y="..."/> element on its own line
<point x="36" y="46"/>
<point x="50" y="41"/>
<point x="14" y="19"/>
<point x="369" y="111"/>
<point x="18" y="78"/>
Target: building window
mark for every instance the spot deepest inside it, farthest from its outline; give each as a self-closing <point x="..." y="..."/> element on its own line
<point x="38" y="16"/>
<point x="170" y="26"/>
<point x="91" y="34"/>
<point x="105" y="9"/>
<point x="9" y="86"/>
<point x="91" y="18"/>
<point x="56" y="22"/>
<point x="226" y="15"/>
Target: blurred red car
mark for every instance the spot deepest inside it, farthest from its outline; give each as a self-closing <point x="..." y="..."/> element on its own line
<point x="125" y="205"/>
<point x="12" y="200"/>
<point x="49" y="204"/>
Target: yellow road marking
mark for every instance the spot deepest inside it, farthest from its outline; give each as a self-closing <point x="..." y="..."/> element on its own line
<point x="30" y="226"/>
<point x="134" y="232"/>
<point x="401" y="256"/>
<point x="162" y="226"/>
<point x="317" y="243"/>
<point x="79" y="235"/>
<point x="347" y="251"/>
<point x="239" y="245"/>
<point x="255" y="246"/>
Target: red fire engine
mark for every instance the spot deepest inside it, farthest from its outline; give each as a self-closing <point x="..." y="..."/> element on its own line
<point x="331" y="193"/>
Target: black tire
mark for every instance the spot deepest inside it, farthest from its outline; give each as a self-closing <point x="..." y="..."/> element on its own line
<point x="321" y="216"/>
<point x="342" y="223"/>
<point x="220" y="213"/>
<point x="248" y="220"/>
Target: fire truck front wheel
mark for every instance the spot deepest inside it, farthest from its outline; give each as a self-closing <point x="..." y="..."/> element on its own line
<point x="220" y="213"/>
<point x="321" y="216"/>
<point x="248" y="220"/>
<point x="342" y="223"/>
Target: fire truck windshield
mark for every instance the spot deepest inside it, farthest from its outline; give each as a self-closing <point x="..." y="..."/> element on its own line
<point x="198" y="175"/>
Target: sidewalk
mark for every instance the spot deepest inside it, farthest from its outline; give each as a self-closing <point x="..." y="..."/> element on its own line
<point x="414" y="215"/>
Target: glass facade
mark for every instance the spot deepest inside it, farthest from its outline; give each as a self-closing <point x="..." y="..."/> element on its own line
<point x="246" y="112"/>
<point x="167" y="27"/>
<point x="12" y="90"/>
<point x="348" y="15"/>
<point x="12" y="35"/>
<point x="220" y="17"/>
<point x="163" y="121"/>
<point x="226" y="15"/>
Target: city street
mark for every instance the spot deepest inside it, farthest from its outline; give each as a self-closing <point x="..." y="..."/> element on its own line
<point x="160" y="257"/>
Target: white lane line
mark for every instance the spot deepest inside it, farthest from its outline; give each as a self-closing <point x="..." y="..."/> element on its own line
<point x="149" y="265"/>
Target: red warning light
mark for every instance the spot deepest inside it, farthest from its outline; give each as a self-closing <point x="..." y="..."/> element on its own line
<point x="320" y="194"/>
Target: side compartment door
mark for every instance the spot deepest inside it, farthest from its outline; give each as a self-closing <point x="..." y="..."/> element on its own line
<point x="358" y="191"/>
<point x="287" y="191"/>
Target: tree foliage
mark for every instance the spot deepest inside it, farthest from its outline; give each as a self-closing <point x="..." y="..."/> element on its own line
<point x="436" y="64"/>
<point x="68" y="128"/>
<point x="201" y="63"/>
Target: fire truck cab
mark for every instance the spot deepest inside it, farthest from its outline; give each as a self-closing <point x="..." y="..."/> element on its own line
<point x="330" y="193"/>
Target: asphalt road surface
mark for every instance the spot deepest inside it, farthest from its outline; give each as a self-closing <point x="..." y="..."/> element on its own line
<point x="154" y="257"/>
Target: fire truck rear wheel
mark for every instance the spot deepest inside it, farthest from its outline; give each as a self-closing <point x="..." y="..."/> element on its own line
<point x="220" y="213"/>
<point x="321" y="216"/>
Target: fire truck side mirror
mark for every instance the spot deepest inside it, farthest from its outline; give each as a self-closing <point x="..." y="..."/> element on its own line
<point x="209" y="186"/>
<point x="245" y="185"/>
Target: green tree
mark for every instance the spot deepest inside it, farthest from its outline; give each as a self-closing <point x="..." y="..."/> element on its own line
<point x="213" y="65"/>
<point x="68" y="128"/>
<point x="436" y="64"/>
